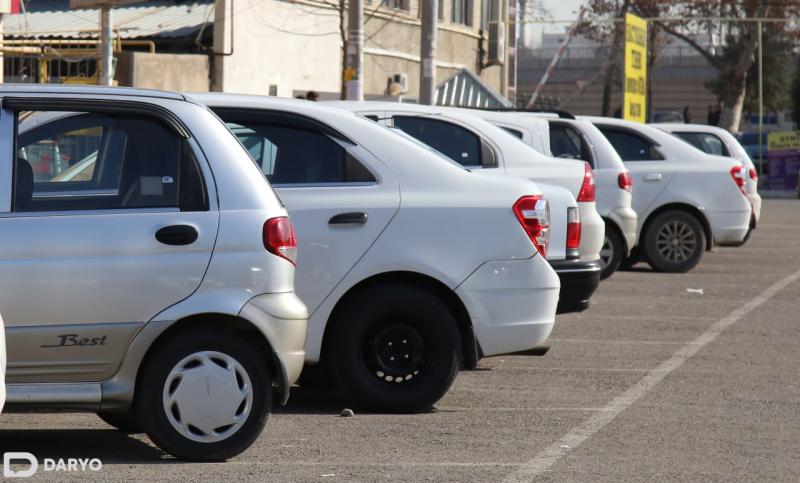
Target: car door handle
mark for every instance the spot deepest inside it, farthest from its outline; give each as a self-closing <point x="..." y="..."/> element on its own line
<point x="177" y="235"/>
<point x="652" y="177"/>
<point x="348" y="218"/>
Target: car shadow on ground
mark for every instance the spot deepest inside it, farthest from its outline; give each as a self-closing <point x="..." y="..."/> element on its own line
<point x="110" y="446"/>
<point x="314" y="401"/>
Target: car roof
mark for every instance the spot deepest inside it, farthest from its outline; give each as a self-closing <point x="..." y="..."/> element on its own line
<point x="87" y="90"/>
<point x="675" y="126"/>
<point x="244" y="101"/>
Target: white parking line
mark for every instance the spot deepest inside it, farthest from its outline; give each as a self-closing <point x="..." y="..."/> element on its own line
<point x="613" y="341"/>
<point x="550" y="455"/>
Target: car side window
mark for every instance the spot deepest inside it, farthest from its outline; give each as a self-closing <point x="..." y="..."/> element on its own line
<point x="453" y="141"/>
<point x="630" y="146"/>
<point x="93" y="161"/>
<point x="292" y="155"/>
<point x="706" y="142"/>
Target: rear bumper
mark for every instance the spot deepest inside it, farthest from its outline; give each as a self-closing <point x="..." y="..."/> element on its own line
<point x="283" y="320"/>
<point x="593" y="231"/>
<point x="626" y="220"/>
<point x="729" y="217"/>
<point x="579" y="280"/>
<point x="512" y="304"/>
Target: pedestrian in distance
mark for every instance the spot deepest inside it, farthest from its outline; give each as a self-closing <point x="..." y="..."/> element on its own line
<point x="312" y="96"/>
<point x="687" y="115"/>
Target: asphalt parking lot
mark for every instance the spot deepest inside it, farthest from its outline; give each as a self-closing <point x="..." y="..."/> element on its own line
<point x="668" y="377"/>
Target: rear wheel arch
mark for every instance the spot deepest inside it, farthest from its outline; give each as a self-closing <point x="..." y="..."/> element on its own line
<point x="470" y="347"/>
<point x="692" y="210"/>
<point x="613" y="225"/>
<point x="219" y="322"/>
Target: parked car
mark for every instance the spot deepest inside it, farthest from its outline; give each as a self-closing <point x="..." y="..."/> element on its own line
<point x="479" y="146"/>
<point x="565" y="225"/>
<point x="687" y="201"/>
<point x="147" y="271"/>
<point x="563" y="136"/>
<point x="411" y="267"/>
<point x="717" y="141"/>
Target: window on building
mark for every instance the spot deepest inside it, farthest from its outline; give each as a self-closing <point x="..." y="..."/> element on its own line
<point x="490" y="12"/>
<point x="630" y="146"/>
<point x="462" y="12"/>
<point x="398" y="4"/>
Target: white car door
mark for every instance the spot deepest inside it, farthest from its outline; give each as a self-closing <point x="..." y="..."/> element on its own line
<point x="340" y="198"/>
<point x="93" y="250"/>
<point x="650" y="169"/>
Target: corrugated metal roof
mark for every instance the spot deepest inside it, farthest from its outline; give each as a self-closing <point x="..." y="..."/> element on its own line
<point x="465" y="89"/>
<point x="148" y="20"/>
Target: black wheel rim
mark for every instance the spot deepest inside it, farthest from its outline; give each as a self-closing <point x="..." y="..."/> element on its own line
<point x="396" y="353"/>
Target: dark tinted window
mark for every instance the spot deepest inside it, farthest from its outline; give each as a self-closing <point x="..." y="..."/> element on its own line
<point x="90" y="161"/>
<point x="291" y="155"/>
<point x="706" y="142"/>
<point x="631" y="147"/>
<point x="449" y="139"/>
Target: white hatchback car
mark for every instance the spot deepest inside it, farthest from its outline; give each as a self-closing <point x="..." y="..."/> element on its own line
<point x="147" y="271"/>
<point x="561" y="135"/>
<point x="411" y="266"/>
<point x="687" y="201"/>
<point x="479" y="145"/>
<point x="717" y="141"/>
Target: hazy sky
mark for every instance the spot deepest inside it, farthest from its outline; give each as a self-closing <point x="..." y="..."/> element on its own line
<point x="562" y="10"/>
<point x="559" y="10"/>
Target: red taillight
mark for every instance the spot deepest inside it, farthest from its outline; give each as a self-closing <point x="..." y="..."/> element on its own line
<point x="625" y="181"/>
<point x="737" y="173"/>
<point x="533" y="213"/>
<point x="573" y="228"/>
<point x="753" y="174"/>
<point x="588" y="190"/>
<point x="279" y="239"/>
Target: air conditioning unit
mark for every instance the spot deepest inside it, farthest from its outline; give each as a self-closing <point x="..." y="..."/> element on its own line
<point x="496" y="53"/>
<point x="398" y="84"/>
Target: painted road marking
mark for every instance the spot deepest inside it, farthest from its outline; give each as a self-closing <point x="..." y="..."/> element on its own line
<point x="550" y="455"/>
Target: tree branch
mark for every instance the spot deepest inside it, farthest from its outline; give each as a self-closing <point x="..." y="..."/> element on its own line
<point x="692" y="43"/>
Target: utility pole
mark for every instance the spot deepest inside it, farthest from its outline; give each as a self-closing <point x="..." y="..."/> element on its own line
<point x="106" y="52"/>
<point x="760" y="99"/>
<point x="427" y="52"/>
<point x="354" y="71"/>
<point x="106" y="60"/>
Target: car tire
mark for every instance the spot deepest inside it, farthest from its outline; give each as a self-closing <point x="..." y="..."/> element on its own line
<point x="212" y="428"/>
<point x="316" y="376"/>
<point x="611" y="253"/>
<point x="127" y="421"/>
<point x="395" y="348"/>
<point x="675" y="242"/>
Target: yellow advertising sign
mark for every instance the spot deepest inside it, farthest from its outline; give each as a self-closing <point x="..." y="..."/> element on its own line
<point x="783" y="141"/>
<point x="635" y="98"/>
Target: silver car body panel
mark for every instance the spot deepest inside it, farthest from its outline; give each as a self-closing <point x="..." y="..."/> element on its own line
<point x="108" y="277"/>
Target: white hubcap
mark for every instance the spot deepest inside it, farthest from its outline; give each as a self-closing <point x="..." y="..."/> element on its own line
<point x="208" y="396"/>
